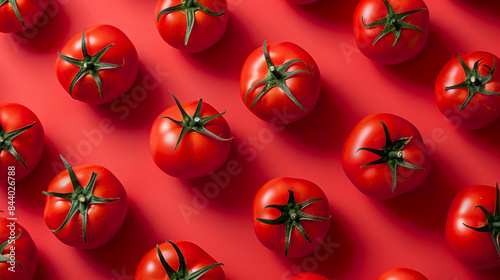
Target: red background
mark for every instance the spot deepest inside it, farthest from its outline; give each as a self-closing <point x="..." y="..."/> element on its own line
<point x="368" y="236"/>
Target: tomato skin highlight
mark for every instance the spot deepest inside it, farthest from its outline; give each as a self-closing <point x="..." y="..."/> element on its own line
<point x="474" y="249"/>
<point x="197" y="154"/>
<point x="411" y="41"/>
<point x="25" y="250"/>
<point x="207" y="29"/>
<point x="104" y="220"/>
<point x="275" y="106"/>
<point x="275" y="192"/>
<point x="309" y="276"/>
<point x="116" y="81"/>
<point x="150" y="267"/>
<point x="31" y="12"/>
<point x="482" y="109"/>
<point x="376" y="180"/>
<point x="29" y="144"/>
<point x="401" y="273"/>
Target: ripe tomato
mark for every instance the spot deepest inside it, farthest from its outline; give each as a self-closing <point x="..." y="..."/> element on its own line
<point x="302" y="2"/>
<point x="472" y="227"/>
<point x="391" y="31"/>
<point x="97" y="210"/>
<point x="309" y="276"/>
<point x="21" y="141"/>
<point x="17" y="16"/>
<point x="178" y="260"/>
<point x="280" y="83"/>
<point x="190" y="140"/>
<point x="401" y="274"/>
<point x="467" y="90"/>
<point x="384" y="156"/>
<point x="291" y="216"/>
<point x="23" y="248"/>
<point x="191" y="25"/>
<point x="97" y="65"/>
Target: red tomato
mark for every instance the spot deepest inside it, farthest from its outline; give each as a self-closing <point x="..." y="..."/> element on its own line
<point x="401" y="274"/>
<point x="472" y="227"/>
<point x="280" y="83"/>
<point x="97" y="65"/>
<point x="21" y="141"/>
<point x="24" y="249"/>
<point x="302" y="2"/>
<point x="391" y="31"/>
<point x="85" y="217"/>
<point x="191" y="25"/>
<point x="190" y="140"/>
<point x="467" y="90"/>
<point x="17" y="16"/>
<point x="291" y="216"/>
<point x="384" y="156"/>
<point x="178" y="260"/>
<point x="309" y="276"/>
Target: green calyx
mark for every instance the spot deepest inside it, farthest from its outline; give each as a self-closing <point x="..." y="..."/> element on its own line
<point x="4" y="245"/>
<point x="182" y="273"/>
<point x="474" y="82"/>
<point x="89" y="65"/>
<point x="81" y="199"/>
<point x="492" y="222"/>
<point x="391" y="154"/>
<point x="6" y="141"/>
<point x="194" y="123"/>
<point x="14" y="7"/>
<point x="393" y="22"/>
<point x="190" y="7"/>
<point x="276" y="77"/>
<point x="291" y="215"/>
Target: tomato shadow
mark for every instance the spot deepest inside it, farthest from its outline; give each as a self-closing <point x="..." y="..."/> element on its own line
<point x="326" y="12"/>
<point x="428" y="205"/>
<point x="49" y="33"/>
<point x="227" y="56"/>
<point x="323" y="131"/>
<point x="142" y="103"/>
<point x="487" y="136"/>
<point x="123" y="253"/>
<point x="482" y="7"/>
<point x="29" y="191"/>
<point x="423" y="69"/>
<point x="333" y="258"/>
<point x="46" y="269"/>
<point x="234" y="185"/>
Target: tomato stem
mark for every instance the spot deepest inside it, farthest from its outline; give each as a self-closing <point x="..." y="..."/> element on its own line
<point x="13" y="3"/>
<point x="6" y="139"/>
<point x="4" y="245"/>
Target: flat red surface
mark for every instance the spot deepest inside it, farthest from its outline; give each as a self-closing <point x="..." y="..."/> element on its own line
<point x="367" y="236"/>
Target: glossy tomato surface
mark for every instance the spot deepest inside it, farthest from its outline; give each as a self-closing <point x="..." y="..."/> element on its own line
<point x="30" y="11"/>
<point x="151" y="268"/>
<point x="275" y="106"/>
<point x="276" y="192"/>
<point x="207" y="29"/>
<point x="104" y="220"/>
<point x="401" y="273"/>
<point x="28" y="145"/>
<point x="115" y="81"/>
<point x="197" y="154"/>
<point x="377" y="180"/>
<point x="385" y="50"/>
<point x="22" y="249"/>
<point x="481" y="109"/>
<point x="309" y="276"/>
<point x="474" y="249"/>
